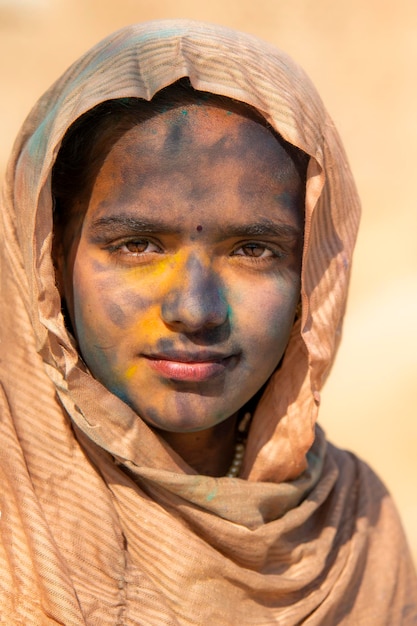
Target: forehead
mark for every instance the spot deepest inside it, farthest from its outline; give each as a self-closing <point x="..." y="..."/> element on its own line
<point x="207" y="133"/>
<point x="197" y="162"/>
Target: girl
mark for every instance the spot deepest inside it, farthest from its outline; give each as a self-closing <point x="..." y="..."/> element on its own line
<point x="178" y="225"/>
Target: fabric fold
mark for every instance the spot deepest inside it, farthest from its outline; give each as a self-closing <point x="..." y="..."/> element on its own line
<point x="102" y="523"/>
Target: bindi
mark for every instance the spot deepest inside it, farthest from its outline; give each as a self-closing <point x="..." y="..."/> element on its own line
<point x="199" y="228"/>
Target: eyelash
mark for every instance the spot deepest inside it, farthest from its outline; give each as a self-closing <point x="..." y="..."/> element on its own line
<point x="255" y="244"/>
<point x="117" y="247"/>
<point x="275" y="254"/>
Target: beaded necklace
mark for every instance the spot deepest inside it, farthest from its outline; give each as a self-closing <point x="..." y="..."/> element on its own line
<point x="240" y="446"/>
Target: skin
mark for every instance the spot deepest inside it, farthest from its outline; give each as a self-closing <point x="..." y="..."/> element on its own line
<point x="181" y="272"/>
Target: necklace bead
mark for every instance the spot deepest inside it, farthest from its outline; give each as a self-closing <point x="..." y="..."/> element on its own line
<point x="237" y="461"/>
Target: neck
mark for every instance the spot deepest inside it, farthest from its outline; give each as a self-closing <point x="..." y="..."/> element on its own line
<point x="209" y="452"/>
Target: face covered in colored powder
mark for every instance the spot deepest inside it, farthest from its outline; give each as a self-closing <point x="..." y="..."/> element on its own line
<point x="183" y="272"/>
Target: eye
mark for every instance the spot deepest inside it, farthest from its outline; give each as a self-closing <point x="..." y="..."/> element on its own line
<point x="139" y="247"/>
<point x="135" y="247"/>
<point x="254" y="250"/>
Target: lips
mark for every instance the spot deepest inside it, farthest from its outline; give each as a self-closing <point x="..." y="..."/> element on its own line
<point x="190" y="367"/>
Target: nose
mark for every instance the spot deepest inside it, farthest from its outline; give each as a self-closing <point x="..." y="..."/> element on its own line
<point x="195" y="299"/>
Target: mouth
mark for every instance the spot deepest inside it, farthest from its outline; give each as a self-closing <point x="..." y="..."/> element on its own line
<point x="191" y="366"/>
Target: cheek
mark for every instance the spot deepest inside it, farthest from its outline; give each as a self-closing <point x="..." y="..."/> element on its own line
<point x="96" y="315"/>
<point x="111" y="316"/>
<point x="277" y="311"/>
<point x="113" y="313"/>
<point x="123" y="307"/>
<point x="264" y="316"/>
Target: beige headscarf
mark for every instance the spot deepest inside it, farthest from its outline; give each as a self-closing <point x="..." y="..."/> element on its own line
<point x="101" y="522"/>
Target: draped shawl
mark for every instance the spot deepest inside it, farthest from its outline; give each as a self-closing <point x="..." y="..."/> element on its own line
<point x="102" y="523"/>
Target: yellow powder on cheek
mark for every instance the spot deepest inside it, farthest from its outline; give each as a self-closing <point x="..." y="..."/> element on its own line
<point x="130" y="372"/>
<point x="149" y="326"/>
<point x="150" y="271"/>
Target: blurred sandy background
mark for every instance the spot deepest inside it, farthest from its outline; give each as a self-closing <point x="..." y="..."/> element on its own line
<point x="362" y="56"/>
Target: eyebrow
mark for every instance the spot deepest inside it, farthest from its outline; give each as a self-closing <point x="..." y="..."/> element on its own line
<point x="117" y="225"/>
<point x="120" y="224"/>
<point x="264" y="227"/>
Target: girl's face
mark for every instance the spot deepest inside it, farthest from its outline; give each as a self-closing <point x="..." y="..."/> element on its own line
<point x="182" y="272"/>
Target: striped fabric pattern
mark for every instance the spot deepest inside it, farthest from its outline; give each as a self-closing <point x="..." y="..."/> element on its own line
<point x="101" y="523"/>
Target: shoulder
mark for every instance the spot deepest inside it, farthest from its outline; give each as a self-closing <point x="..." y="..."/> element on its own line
<point x="370" y="540"/>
